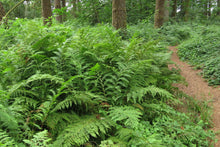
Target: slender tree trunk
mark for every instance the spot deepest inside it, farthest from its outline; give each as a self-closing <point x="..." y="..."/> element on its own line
<point x="63" y="3"/>
<point x="186" y="12"/>
<point x="206" y="8"/>
<point x="74" y="8"/>
<point x="119" y="16"/>
<point x="95" y="12"/>
<point x="159" y="13"/>
<point x="26" y="9"/>
<point x="2" y="11"/>
<point x="46" y="12"/>
<point x="174" y="6"/>
<point x="218" y="7"/>
<point x="57" y="5"/>
<point x="78" y="6"/>
<point x="209" y="8"/>
<point x="166" y="11"/>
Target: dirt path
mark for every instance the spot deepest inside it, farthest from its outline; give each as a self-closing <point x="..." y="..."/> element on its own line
<point x="198" y="88"/>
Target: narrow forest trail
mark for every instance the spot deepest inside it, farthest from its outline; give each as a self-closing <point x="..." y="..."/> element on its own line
<point x="198" y="88"/>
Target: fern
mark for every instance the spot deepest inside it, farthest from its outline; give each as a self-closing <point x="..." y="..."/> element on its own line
<point x="57" y="122"/>
<point x="6" y="140"/>
<point x="80" y="132"/>
<point x="7" y="118"/>
<point x="78" y="98"/>
<point x="127" y="115"/>
<point x="40" y="139"/>
<point x="35" y="77"/>
<point x="139" y="94"/>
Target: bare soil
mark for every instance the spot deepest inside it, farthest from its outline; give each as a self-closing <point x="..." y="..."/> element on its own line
<point x="198" y="88"/>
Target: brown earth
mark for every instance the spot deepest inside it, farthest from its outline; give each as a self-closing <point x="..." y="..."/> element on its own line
<point x="197" y="87"/>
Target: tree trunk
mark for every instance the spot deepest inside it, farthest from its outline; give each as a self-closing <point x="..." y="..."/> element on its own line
<point x="26" y="9"/>
<point x="186" y="12"/>
<point x="46" y="12"/>
<point x="173" y="14"/>
<point x="74" y="8"/>
<point x="119" y="16"/>
<point x="2" y="11"/>
<point x="63" y="2"/>
<point x="166" y="11"/>
<point x="209" y="7"/>
<point x="57" y="5"/>
<point x="218" y="7"/>
<point x="95" y="12"/>
<point x="159" y="13"/>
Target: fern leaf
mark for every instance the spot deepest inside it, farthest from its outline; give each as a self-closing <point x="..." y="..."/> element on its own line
<point x="137" y="95"/>
<point x="80" y="132"/>
<point x="35" y="77"/>
<point x="7" y="118"/>
<point x="39" y="139"/>
<point x="6" y="140"/>
<point x="77" y="98"/>
<point x="127" y="114"/>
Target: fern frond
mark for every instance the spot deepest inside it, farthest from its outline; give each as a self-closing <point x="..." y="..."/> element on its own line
<point x="125" y="134"/>
<point x="35" y="77"/>
<point x="126" y="114"/>
<point x="5" y="140"/>
<point x="77" y="98"/>
<point x="58" y="121"/>
<point x="7" y="118"/>
<point x="138" y="94"/>
<point x="39" y="139"/>
<point x="80" y="132"/>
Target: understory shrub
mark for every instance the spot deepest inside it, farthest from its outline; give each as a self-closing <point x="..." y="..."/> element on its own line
<point x="202" y="50"/>
<point x="75" y="86"/>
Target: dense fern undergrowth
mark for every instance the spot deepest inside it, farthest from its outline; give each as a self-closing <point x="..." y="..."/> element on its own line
<point x="200" y="45"/>
<point x="71" y="85"/>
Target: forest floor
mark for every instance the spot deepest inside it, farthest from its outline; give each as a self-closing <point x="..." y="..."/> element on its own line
<point x="197" y="87"/>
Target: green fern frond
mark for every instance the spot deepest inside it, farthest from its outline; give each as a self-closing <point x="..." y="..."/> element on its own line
<point x="113" y="142"/>
<point x="23" y="92"/>
<point x="5" y="140"/>
<point x="125" y="134"/>
<point x="78" y="98"/>
<point x="138" y="94"/>
<point x="164" y="94"/>
<point x="29" y="102"/>
<point x="128" y="115"/>
<point x="58" y="121"/>
<point x="35" y="77"/>
<point x="7" y="118"/>
<point x="80" y="132"/>
<point x="40" y="139"/>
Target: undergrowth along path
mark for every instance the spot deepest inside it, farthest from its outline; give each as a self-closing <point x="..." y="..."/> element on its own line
<point x="197" y="87"/>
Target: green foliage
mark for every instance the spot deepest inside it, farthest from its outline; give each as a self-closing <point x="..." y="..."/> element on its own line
<point x="80" y="132"/>
<point x="39" y="139"/>
<point x="85" y="85"/>
<point x="202" y="50"/>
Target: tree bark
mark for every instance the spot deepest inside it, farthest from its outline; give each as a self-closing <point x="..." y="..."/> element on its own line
<point x="74" y="8"/>
<point x="159" y="13"/>
<point x="174" y="6"/>
<point x="186" y="12"/>
<point x="63" y="3"/>
<point x="57" y="5"/>
<point x="218" y="7"/>
<point x="95" y="12"/>
<point x="46" y="12"/>
<point x="119" y="16"/>
<point x="166" y="11"/>
<point x="209" y="7"/>
<point x="2" y="11"/>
